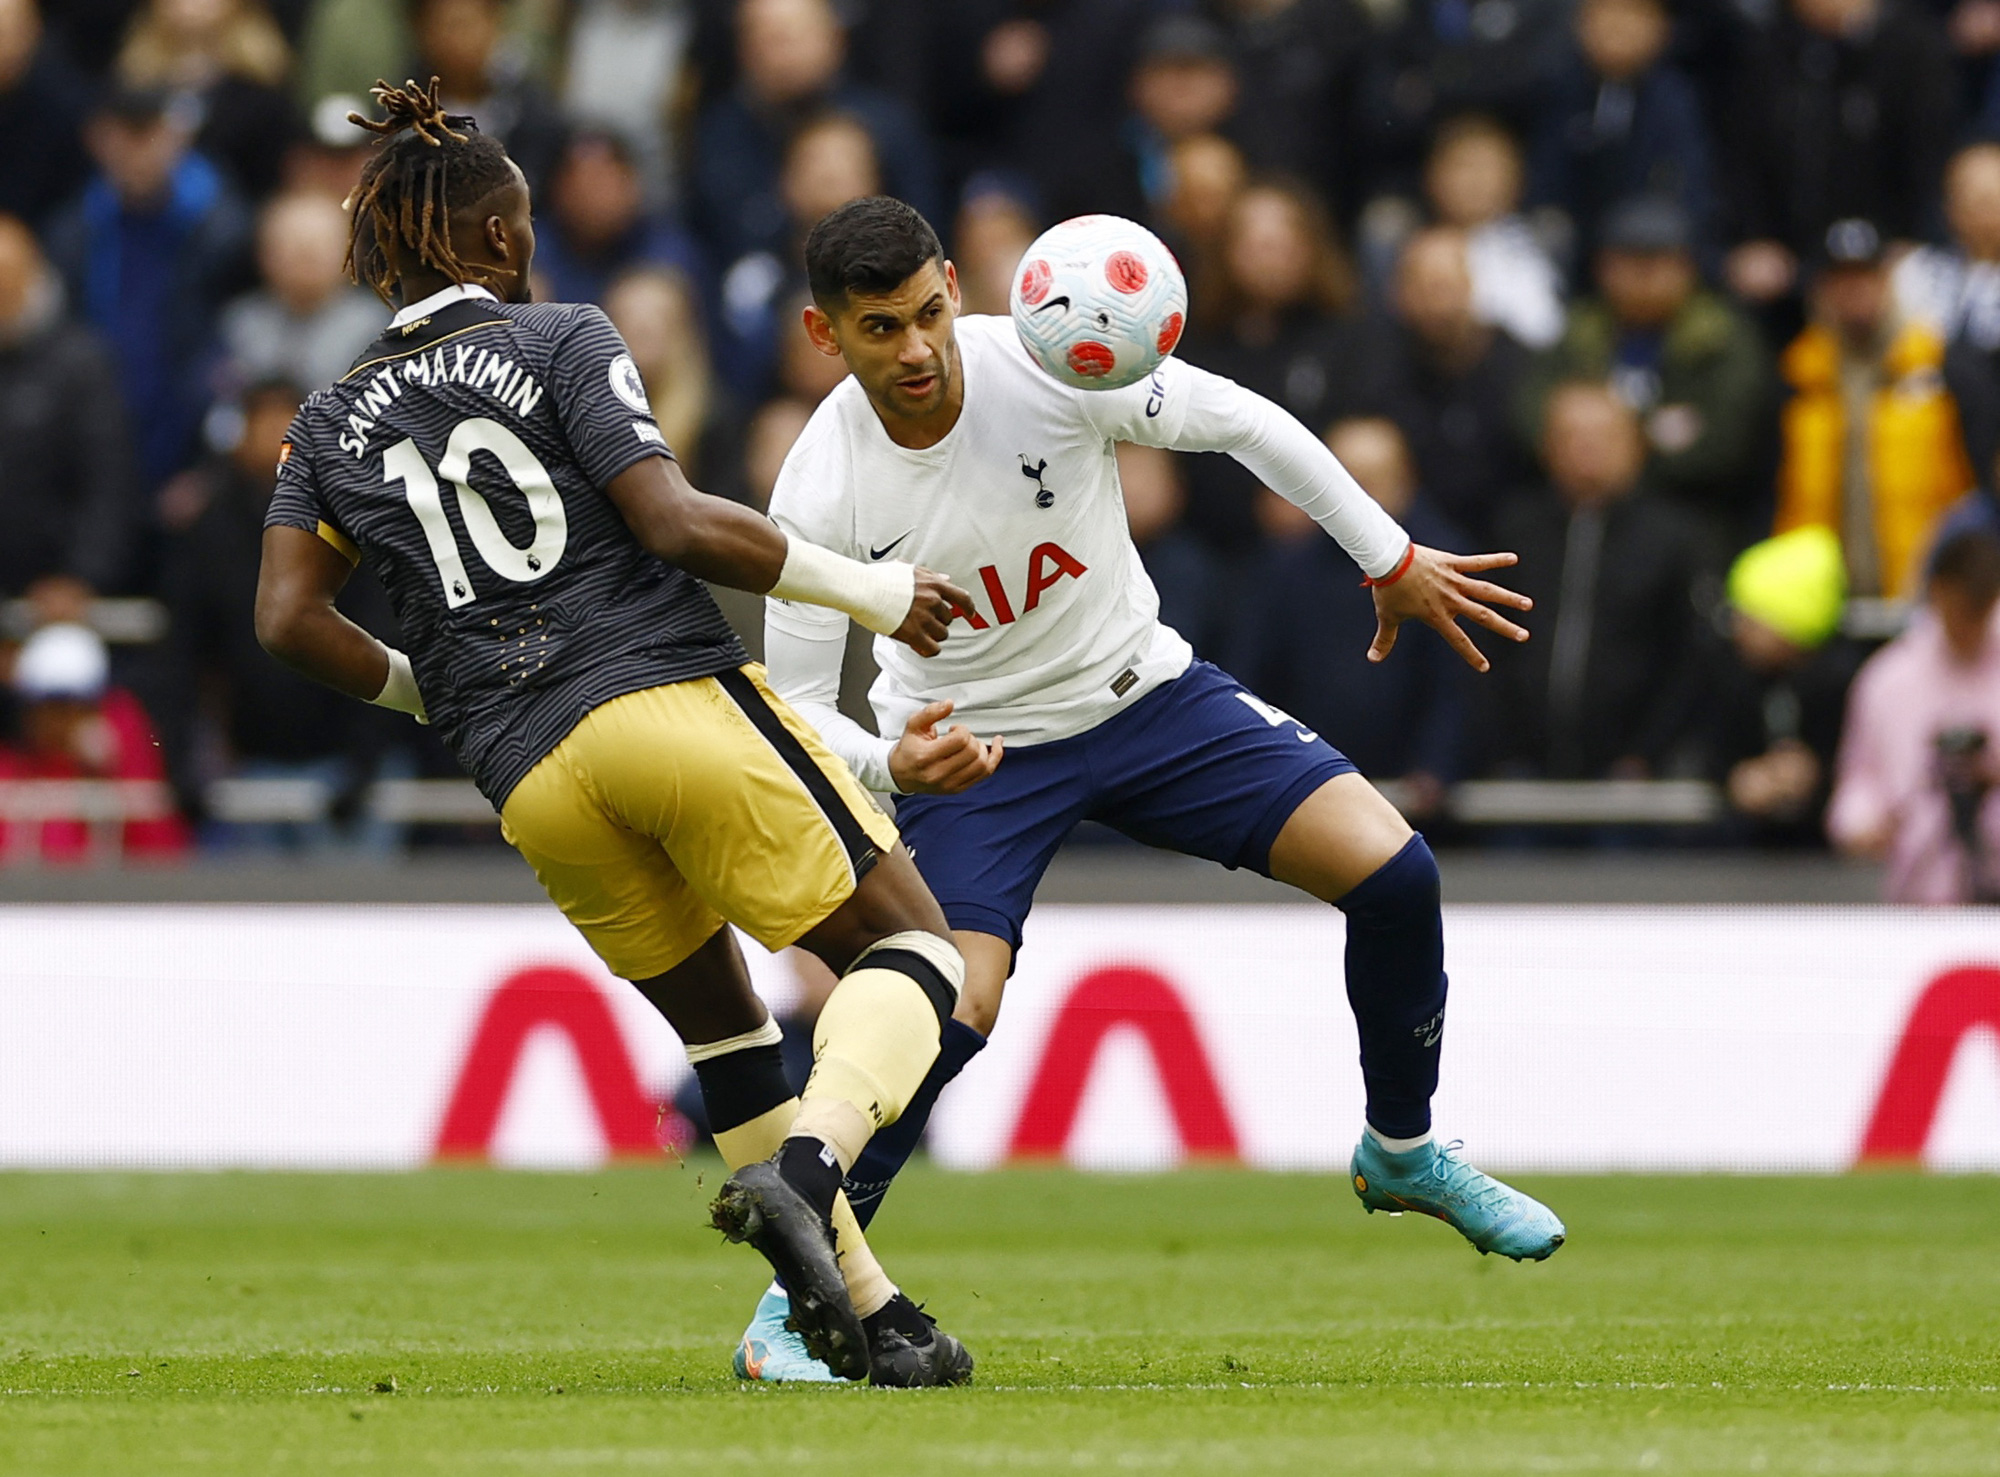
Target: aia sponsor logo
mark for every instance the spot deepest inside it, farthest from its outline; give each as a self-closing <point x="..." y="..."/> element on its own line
<point x="1048" y="564"/>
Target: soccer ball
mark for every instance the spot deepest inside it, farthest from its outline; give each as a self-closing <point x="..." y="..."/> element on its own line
<point x="1099" y="301"/>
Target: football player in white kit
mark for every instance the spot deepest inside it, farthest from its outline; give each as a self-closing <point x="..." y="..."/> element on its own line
<point x="947" y="445"/>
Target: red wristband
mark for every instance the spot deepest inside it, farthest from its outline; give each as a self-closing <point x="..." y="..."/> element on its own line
<point x="1402" y="568"/>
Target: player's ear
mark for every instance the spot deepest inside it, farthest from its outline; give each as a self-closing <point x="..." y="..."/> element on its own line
<point x="819" y="328"/>
<point x="951" y="291"/>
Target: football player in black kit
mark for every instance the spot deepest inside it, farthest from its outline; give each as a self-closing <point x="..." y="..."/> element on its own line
<point x="493" y="460"/>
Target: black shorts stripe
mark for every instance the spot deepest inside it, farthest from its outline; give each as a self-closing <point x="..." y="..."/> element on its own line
<point x="862" y="853"/>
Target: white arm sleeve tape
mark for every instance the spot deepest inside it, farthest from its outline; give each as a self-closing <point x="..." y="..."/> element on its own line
<point x="1292" y="462"/>
<point x="877" y="595"/>
<point x="803" y="667"/>
<point x="399" y="691"/>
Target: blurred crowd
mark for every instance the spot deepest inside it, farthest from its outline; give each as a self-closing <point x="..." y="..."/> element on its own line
<point x="1693" y="303"/>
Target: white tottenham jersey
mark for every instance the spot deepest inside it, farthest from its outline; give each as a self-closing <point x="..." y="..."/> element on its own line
<point x="1020" y="505"/>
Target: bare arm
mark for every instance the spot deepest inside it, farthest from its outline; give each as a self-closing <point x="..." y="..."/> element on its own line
<point x="725" y="542"/>
<point x="296" y="621"/>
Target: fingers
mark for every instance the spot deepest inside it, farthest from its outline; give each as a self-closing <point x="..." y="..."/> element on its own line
<point x="965" y="768"/>
<point x="1462" y="644"/>
<point x="1480" y="563"/>
<point x="958" y="599"/>
<point x="1385" y="639"/>
<point x="1495" y="595"/>
<point x="926" y="718"/>
<point x="1492" y="620"/>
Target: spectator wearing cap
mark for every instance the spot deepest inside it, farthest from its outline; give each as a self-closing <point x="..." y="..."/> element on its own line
<point x="1870" y="440"/>
<point x="305" y="322"/>
<point x="66" y="493"/>
<point x="1918" y="783"/>
<point x="1449" y="381"/>
<point x="1403" y="720"/>
<point x="74" y="725"/>
<point x="596" y="225"/>
<point x="149" y="253"/>
<point x="791" y="55"/>
<point x="1606" y="688"/>
<point x="1690" y="364"/>
<point x="42" y="108"/>
<point x="1843" y="109"/>
<point x="1621" y="122"/>
<point x="1779" y="687"/>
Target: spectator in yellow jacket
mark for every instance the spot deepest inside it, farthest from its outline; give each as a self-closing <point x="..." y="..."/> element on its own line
<point x="1872" y="446"/>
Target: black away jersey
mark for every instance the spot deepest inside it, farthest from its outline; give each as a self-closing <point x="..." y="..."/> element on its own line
<point x="464" y="457"/>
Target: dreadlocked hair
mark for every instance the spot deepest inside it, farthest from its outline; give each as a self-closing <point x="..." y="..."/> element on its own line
<point x="428" y="165"/>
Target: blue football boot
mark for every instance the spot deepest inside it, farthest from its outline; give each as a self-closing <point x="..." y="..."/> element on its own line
<point x="772" y="1352"/>
<point x="1433" y="1180"/>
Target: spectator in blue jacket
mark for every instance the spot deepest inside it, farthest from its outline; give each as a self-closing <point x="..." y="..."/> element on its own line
<point x="1621" y="123"/>
<point x="151" y="250"/>
<point x="790" y="55"/>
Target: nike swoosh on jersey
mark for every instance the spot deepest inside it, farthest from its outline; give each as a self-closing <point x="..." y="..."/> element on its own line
<point x="888" y="548"/>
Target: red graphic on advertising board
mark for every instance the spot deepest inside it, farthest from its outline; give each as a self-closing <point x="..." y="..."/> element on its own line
<point x="1957" y="1001"/>
<point x="560" y="999"/>
<point x="1135" y="998"/>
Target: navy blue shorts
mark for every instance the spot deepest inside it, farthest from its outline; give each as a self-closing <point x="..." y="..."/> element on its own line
<point x="1197" y="766"/>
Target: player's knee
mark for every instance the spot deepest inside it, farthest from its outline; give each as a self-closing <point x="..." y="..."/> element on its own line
<point x="934" y="963"/>
<point x="1406" y="887"/>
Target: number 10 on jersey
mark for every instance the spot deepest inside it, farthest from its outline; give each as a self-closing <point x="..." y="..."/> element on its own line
<point x="405" y="464"/>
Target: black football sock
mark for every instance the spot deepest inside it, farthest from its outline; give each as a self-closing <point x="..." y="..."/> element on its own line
<point x="900" y="1315"/>
<point x="1396" y="985"/>
<point x="811" y="1168"/>
<point x="890" y="1149"/>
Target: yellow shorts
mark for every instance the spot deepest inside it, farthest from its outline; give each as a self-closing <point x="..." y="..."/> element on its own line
<point x="668" y="811"/>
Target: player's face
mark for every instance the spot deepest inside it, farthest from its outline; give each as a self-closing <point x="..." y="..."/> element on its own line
<point x="899" y="344"/>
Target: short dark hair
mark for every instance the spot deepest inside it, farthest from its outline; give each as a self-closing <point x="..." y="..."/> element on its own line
<point x="871" y="245"/>
<point x="1969" y="560"/>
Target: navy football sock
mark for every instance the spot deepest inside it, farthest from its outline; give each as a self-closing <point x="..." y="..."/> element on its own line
<point x="890" y="1149"/>
<point x="1396" y="985"/>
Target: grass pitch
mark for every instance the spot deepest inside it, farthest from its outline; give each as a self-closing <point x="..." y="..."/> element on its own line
<point x="466" y="1321"/>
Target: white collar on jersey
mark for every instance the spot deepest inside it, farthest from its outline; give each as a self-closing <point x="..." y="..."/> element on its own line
<point x="458" y="292"/>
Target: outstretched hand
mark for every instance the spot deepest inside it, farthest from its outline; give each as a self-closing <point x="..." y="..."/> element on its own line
<point x="1439" y="589"/>
<point x="926" y="762"/>
<point x="933" y="604"/>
